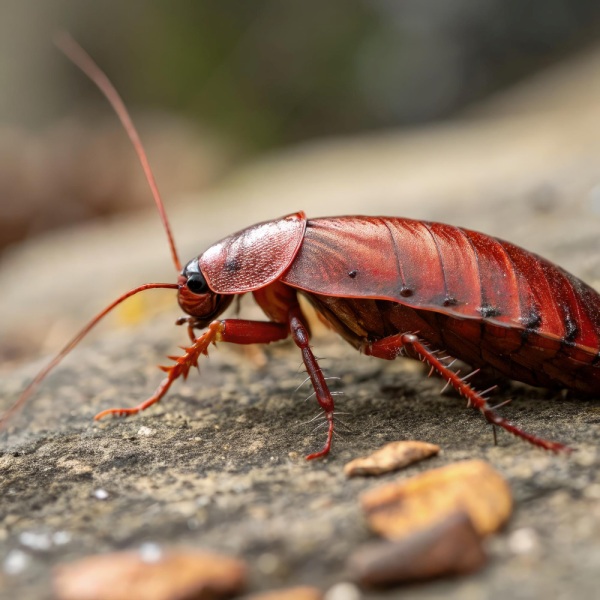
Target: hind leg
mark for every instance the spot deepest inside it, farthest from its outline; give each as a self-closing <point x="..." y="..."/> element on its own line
<point x="409" y="344"/>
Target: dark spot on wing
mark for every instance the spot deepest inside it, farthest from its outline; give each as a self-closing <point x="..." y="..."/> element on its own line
<point x="571" y="329"/>
<point x="487" y="311"/>
<point x="232" y="265"/>
<point x="531" y="321"/>
<point x="406" y="292"/>
<point x="450" y="301"/>
<point x="352" y="274"/>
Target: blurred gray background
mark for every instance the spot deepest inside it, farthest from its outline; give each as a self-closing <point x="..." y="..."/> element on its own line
<point x="422" y="108"/>
<point x="234" y="79"/>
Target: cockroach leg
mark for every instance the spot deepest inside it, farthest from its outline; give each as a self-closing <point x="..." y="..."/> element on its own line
<point x="389" y="348"/>
<point x="182" y="366"/>
<point x="300" y="336"/>
<point x="236" y="331"/>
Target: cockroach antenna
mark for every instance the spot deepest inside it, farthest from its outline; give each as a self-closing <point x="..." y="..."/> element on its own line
<point x="82" y="59"/>
<point x="74" y="52"/>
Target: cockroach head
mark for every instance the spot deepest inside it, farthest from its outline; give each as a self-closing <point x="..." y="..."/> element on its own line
<point x="195" y="296"/>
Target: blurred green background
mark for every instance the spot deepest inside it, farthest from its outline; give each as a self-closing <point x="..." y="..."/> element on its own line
<point x="215" y="83"/>
<point x="269" y="72"/>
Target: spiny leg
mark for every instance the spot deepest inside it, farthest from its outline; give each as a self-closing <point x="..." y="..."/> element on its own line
<point x="392" y="346"/>
<point x="300" y="336"/>
<point x="237" y="331"/>
<point x="182" y="366"/>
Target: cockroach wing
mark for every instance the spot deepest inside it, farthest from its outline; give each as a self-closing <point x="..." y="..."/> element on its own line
<point x="422" y="265"/>
<point x="389" y="259"/>
<point x="253" y="257"/>
<point x="450" y="270"/>
<point x="377" y="257"/>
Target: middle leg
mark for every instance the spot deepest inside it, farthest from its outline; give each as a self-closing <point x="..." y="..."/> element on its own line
<point x="300" y="335"/>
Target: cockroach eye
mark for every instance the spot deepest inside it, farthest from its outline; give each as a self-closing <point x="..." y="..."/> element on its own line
<point x="197" y="284"/>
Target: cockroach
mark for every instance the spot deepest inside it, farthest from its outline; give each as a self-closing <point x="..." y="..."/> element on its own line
<point x="389" y="286"/>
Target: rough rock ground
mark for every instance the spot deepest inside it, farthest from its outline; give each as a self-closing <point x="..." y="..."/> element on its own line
<point x="219" y="464"/>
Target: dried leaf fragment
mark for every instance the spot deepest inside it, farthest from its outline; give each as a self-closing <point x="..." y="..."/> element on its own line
<point x="449" y="547"/>
<point x="393" y="456"/>
<point x="296" y="593"/>
<point x="174" y="575"/>
<point x="405" y="506"/>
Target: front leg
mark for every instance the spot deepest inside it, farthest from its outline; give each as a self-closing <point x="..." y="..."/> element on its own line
<point x="239" y="331"/>
<point x="236" y="331"/>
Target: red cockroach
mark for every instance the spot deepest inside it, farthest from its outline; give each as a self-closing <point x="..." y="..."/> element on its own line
<point x="390" y="287"/>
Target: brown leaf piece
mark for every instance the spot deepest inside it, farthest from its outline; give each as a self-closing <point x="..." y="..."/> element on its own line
<point x="296" y="593"/>
<point x="393" y="456"/>
<point x="449" y="547"/>
<point x="405" y="506"/>
<point x="174" y="575"/>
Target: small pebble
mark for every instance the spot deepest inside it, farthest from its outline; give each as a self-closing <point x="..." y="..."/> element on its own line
<point x="167" y="576"/>
<point x="296" y="593"/>
<point x="145" y="431"/>
<point x="36" y="540"/>
<point x="60" y="538"/>
<point x="343" y="591"/>
<point x="450" y="547"/>
<point x="150" y="552"/>
<point x="407" y="505"/>
<point x="523" y="541"/>
<point x="15" y="562"/>
<point x="100" y="494"/>
<point x="391" y="457"/>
